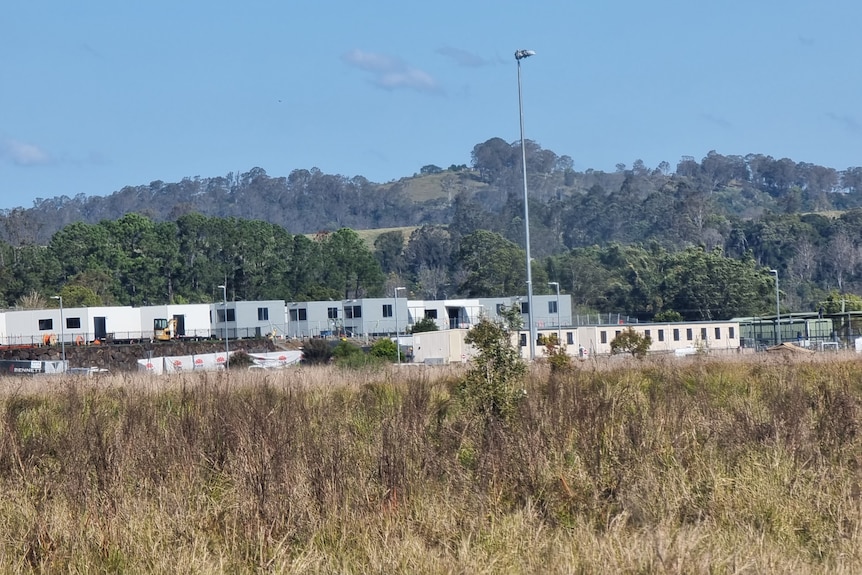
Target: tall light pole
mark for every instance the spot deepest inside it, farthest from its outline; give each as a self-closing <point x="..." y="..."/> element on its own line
<point x="397" y="330"/>
<point x="777" y="309"/>
<point x="520" y="55"/>
<point x="559" y="327"/>
<point x="62" y="328"/>
<point x="226" y="344"/>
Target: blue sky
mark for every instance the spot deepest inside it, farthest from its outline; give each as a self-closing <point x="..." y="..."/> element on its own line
<point x="98" y="95"/>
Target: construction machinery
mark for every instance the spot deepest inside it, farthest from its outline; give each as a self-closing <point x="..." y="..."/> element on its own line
<point x="164" y="329"/>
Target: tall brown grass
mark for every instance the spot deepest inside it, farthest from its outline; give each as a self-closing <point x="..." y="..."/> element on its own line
<point x="695" y="466"/>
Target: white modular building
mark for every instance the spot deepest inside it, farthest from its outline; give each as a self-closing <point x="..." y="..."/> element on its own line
<point x="192" y="320"/>
<point x="447" y="314"/>
<point x="441" y="347"/>
<point x="550" y="310"/>
<point x="362" y="317"/>
<point x="245" y="319"/>
<point x="677" y="338"/>
<point x="77" y="325"/>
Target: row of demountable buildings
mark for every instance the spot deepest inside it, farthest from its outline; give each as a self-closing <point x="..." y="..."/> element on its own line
<point x="359" y="318"/>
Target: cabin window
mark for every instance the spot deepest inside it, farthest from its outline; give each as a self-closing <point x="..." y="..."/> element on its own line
<point x="332" y="312"/>
<point x="387" y="310"/>
<point x="525" y="307"/>
<point x="731" y="333"/>
<point x="523" y="340"/>
<point x="73" y="323"/>
<point x="676" y="334"/>
<point x="263" y="314"/>
<point x="703" y="333"/>
<point x="647" y="334"/>
<point x="689" y="334"/>
<point x="603" y="336"/>
<point x="353" y="311"/>
<point x="718" y="333"/>
<point x="46" y="324"/>
<point x="661" y="335"/>
<point x="570" y="338"/>
<point x="430" y="314"/>
<point x="298" y="314"/>
<point x="552" y="307"/>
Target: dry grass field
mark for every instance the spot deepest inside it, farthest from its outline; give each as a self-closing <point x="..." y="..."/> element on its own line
<point x="661" y="466"/>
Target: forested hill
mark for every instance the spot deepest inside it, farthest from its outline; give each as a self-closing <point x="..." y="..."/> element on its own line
<point x="693" y="203"/>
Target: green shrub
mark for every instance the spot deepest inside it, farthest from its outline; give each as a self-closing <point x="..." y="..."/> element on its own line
<point x="352" y="356"/>
<point x="385" y="349"/>
<point x="240" y="359"/>
<point x="316" y="351"/>
<point x="424" y="324"/>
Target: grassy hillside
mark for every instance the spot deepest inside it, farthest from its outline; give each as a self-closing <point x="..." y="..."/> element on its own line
<point x="368" y="236"/>
<point x="428" y="187"/>
<point x="678" y="467"/>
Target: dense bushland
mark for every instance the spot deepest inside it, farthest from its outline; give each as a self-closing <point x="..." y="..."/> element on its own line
<point x="653" y="466"/>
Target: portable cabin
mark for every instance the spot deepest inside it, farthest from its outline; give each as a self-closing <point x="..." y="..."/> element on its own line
<point x="188" y="320"/>
<point x="77" y="325"/>
<point x="248" y="319"/>
<point x="447" y="314"/>
<point x="550" y="310"/>
<point x="706" y="336"/>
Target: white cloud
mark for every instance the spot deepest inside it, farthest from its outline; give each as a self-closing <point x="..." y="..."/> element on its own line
<point x="24" y="154"/>
<point x="391" y="73"/>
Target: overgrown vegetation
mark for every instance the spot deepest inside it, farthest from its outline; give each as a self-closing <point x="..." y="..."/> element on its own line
<point x="677" y="467"/>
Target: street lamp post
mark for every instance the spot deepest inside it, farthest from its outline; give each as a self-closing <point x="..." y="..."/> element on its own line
<point x="520" y="55"/>
<point x="777" y="309"/>
<point x="62" y="329"/>
<point x="559" y="327"/>
<point x="397" y="329"/>
<point x="339" y="331"/>
<point x="226" y="344"/>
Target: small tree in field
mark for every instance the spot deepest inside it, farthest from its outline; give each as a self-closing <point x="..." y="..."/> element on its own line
<point x="556" y="352"/>
<point x="491" y="389"/>
<point x="632" y="342"/>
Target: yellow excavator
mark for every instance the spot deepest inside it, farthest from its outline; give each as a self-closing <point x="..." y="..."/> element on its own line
<point x="165" y="329"/>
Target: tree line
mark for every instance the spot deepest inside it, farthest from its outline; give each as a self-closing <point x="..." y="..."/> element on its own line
<point x="137" y="261"/>
<point x="803" y="220"/>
